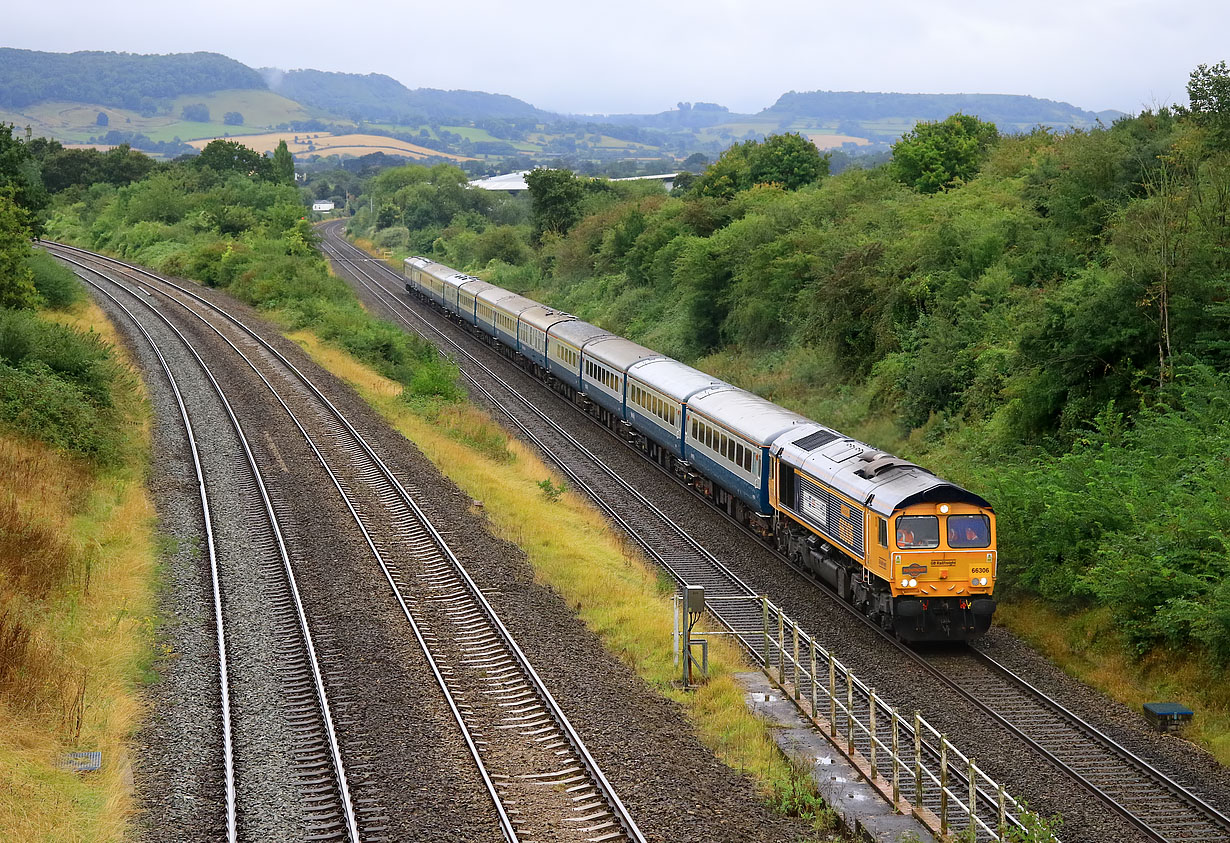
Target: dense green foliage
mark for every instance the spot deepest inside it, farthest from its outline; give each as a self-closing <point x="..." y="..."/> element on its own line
<point x="57" y="385"/>
<point x="789" y="160"/>
<point x="124" y="80"/>
<point x="224" y="219"/>
<point x="935" y="156"/>
<point x="1051" y="330"/>
<point x="16" y="278"/>
<point x="381" y="99"/>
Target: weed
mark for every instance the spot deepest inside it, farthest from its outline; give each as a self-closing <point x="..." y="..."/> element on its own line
<point x="552" y="491"/>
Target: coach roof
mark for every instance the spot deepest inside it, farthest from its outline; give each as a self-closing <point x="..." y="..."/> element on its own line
<point x="749" y="415"/>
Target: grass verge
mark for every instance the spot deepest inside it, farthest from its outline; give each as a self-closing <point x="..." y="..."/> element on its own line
<point x="1086" y="646"/>
<point x="620" y="596"/>
<point x="77" y="578"/>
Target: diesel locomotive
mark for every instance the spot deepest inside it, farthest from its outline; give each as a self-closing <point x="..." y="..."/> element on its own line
<point x="915" y="553"/>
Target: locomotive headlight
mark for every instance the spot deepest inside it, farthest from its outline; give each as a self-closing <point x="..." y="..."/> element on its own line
<point x="944" y="508"/>
<point x="913" y="583"/>
<point x="905" y="583"/>
<point x="983" y="581"/>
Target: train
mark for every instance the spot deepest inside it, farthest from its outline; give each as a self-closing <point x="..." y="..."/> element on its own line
<point x="913" y="552"/>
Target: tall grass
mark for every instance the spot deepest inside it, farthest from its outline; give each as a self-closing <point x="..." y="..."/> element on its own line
<point x="76" y="576"/>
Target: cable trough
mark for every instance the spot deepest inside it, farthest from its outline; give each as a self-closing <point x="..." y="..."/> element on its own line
<point x="1157" y="806"/>
<point x="543" y="781"/>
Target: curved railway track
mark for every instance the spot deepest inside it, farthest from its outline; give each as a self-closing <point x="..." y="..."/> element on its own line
<point x="321" y="774"/>
<point x="1160" y="808"/>
<point x="542" y="780"/>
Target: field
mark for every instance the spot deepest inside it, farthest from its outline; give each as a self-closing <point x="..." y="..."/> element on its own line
<point x="77" y="122"/>
<point x="311" y="144"/>
<point x="832" y="141"/>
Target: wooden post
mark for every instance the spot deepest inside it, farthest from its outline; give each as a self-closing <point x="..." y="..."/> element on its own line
<point x="918" y="785"/>
<point x="814" y="712"/>
<point x="849" y="713"/>
<point x="943" y="785"/>
<point x="832" y="696"/>
<point x="973" y="800"/>
<point x="896" y="759"/>
<point x="794" y="626"/>
<point x="764" y="606"/>
<point x="1003" y="819"/>
<point x="781" y="647"/>
<point x="871" y="727"/>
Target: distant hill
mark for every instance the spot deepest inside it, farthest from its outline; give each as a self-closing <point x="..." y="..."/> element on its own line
<point x="1007" y="111"/>
<point x="687" y="115"/>
<point x="377" y="98"/>
<point x="122" y="80"/>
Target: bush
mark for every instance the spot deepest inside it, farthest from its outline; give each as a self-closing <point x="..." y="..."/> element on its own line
<point x="56" y="284"/>
<point x="57" y="385"/>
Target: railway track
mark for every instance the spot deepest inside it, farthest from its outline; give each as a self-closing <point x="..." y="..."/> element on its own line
<point x="542" y="780"/>
<point x="737" y="607"/>
<point x="320" y="773"/>
<point x="1157" y="806"/>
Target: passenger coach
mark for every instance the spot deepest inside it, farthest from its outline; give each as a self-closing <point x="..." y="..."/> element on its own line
<point x="913" y="552"/>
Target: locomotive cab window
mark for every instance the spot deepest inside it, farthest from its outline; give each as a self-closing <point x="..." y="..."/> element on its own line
<point x="918" y="531"/>
<point x="883" y="532"/>
<point x="969" y="531"/>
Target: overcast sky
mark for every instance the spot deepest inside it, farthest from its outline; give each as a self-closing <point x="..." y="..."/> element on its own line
<point x="636" y="55"/>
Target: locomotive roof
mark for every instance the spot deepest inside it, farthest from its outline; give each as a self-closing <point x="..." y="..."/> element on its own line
<point x="880" y="480"/>
<point x="751" y="416"/>
<point x="543" y="317"/>
<point x="672" y="378"/>
<point x="619" y="352"/>
<point x="578" y="332"/>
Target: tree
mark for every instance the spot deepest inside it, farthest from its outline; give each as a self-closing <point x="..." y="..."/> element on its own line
<point x="102" y="119"/>
<point x="556" y="196"/>
<point x="934" y="156"/>
<point x="226" y="157"/>
<point x="232" y="118"/>
<point x="790" y="160"/>
<point x="16" y="279"/>
<point x="20" y="172"/>
<point x="283" y="164"/>
<point x="696" y="161"/>
<point x="197" y="113"/>
<point x="1208" y="91"/>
